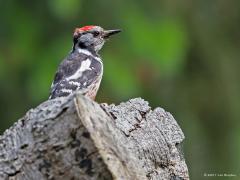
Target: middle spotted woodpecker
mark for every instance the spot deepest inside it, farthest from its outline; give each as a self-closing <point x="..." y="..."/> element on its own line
<point x="82" y="69"/>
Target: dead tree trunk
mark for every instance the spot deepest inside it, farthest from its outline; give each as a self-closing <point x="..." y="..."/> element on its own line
<point x="74" y="138"/>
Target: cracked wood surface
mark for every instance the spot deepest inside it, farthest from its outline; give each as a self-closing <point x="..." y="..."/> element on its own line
<point x="75" y="138"/>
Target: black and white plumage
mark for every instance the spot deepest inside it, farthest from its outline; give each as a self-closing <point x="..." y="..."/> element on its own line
<point x="82" y="69"/>
<point x="79" y="71"/>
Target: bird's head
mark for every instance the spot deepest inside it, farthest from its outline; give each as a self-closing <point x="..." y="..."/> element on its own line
<point x="91" y="38"/>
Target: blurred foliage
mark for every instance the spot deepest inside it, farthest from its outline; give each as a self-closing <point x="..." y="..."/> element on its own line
<point x="182" y="55"/>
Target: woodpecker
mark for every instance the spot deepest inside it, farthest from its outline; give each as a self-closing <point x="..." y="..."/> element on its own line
<point x="82" y="69"/>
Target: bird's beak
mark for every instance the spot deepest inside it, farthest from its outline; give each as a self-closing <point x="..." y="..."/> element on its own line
<point x="108" y="33"/>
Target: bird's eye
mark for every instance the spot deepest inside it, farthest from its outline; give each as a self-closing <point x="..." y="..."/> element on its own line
<point x="95" y="33"/>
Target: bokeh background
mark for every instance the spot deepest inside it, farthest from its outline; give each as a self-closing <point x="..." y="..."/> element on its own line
<point x="180" y="55"/>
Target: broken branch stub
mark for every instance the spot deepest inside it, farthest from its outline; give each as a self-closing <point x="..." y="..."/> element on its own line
<point x="76" y="138"/>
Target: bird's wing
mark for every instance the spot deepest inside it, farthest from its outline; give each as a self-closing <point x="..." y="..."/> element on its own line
<point x="68" y="67"/>
<point x="75" y="72"/>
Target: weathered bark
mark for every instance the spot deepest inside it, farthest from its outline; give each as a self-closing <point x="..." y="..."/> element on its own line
<point x="75" y="138"/>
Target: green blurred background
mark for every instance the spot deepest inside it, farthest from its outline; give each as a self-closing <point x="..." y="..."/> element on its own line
<point x="180" y="55"/>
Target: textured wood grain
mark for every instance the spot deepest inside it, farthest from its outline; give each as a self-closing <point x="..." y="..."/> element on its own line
<point x="75" y="138"/>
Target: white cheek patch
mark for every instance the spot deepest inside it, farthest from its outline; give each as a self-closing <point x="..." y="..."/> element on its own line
<point x="99" y="46"/>
<point x="85" y="65"/>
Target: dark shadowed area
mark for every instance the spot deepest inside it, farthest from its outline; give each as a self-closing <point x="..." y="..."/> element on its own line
<point x="180" y="55"/>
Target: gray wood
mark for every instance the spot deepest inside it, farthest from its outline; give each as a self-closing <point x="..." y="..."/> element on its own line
<point x="75" y="138"/>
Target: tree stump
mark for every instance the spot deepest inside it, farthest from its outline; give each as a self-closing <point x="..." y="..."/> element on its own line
<point x="75" y="138"/>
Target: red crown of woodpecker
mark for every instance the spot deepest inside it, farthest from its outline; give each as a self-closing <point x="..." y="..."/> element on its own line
<point x="82" y="29"/>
